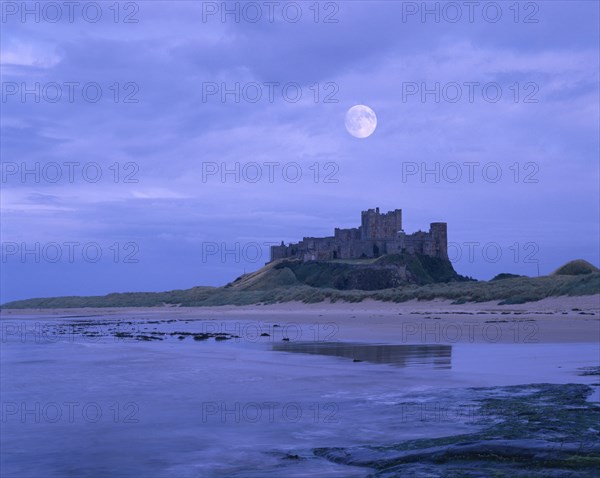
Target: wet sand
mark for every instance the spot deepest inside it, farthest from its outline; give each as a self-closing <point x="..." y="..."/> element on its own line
<point x="552" y="320"/>
<point x="163" y="382"/>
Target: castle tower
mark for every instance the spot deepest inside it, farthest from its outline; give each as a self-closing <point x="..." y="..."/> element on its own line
<point x="439" y="234"/>
<point x="393" y="223"/>
<point x="376" y="226"/>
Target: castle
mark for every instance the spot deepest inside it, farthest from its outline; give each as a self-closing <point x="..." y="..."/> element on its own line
<point x="377" y="235"/>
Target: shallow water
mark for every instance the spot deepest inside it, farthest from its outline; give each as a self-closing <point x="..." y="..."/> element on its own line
<point x="438" y="356"/>
<point x="97" y="405"/>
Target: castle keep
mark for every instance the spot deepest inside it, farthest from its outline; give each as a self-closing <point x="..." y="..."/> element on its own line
<point x="377" y="235"/>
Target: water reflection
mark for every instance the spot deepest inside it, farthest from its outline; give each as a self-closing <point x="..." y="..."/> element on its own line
<point x="438" y="356"/>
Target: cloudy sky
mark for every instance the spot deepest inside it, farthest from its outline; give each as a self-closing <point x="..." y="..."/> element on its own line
<point x="155" y="146"/>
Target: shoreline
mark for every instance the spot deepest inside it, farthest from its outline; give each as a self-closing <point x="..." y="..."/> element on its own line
<point x="552" y="320"/>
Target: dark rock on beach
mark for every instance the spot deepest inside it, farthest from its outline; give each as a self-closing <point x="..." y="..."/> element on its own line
<point x="540" y="430"/>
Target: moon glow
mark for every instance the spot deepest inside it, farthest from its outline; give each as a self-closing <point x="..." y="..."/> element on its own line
<point x="361" y="121"/>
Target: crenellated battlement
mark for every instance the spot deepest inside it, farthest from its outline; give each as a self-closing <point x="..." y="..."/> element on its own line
<point x="377" y="235"/>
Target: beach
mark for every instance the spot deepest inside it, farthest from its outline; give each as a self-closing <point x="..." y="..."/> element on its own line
<point x="342" y="389"/>
<point x="554" y="319"/>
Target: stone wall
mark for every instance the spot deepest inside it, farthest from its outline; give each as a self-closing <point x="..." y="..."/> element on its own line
<point x="378" y="234"/>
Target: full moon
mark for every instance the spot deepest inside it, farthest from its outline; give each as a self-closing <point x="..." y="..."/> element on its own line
<point x="361" y="121"/>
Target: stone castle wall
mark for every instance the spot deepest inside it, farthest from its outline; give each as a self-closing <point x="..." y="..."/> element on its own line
<point x="377" y="235"/>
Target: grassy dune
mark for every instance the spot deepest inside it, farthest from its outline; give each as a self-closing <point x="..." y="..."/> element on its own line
<point x="274" y="283"/>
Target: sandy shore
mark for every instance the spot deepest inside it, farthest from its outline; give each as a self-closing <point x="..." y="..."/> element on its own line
<point x="552" y="320"/>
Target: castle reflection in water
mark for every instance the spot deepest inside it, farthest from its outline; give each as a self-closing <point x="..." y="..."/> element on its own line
<point x="437" y="356"/>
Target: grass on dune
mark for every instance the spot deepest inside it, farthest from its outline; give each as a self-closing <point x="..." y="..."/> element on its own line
<point x="508" y="291"/>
